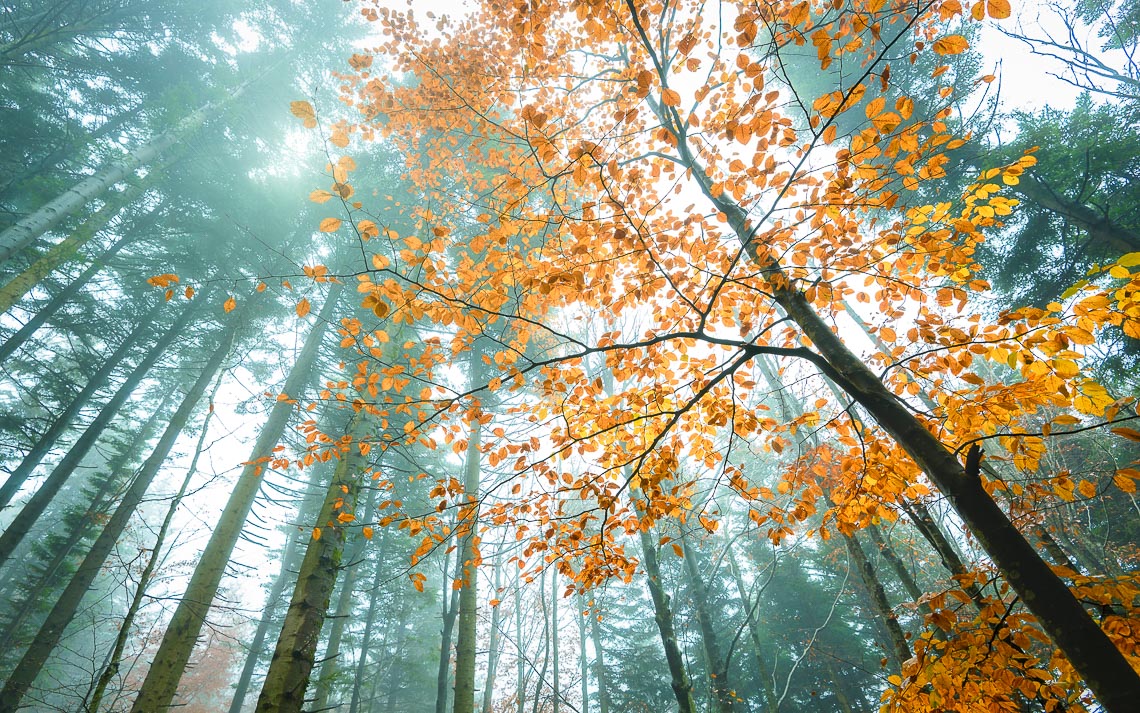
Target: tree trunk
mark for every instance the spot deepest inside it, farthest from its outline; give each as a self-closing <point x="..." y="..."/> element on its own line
<point x="468" y="556"/>
<point x="289" y="561"/>
<point x="599" y="664"/>
<point x="342" y="612"/>
<point x="43" y="314"/>
<point x="536" y="704"/>
<point x="493" y="645"/>
<point x="663" y="615"/>
<point x="718" y="671"/>
<point x="63" y="421"/>
<point x="767" y="681"/>
<point x="61" y="615"/>
<point x="898" y="650"/>
<point x="1103" y="230"/>
<point x="292" y="663"/>
<point x="450" y="605"/>
<point x="24" y="232"/>
<point x="44" y="265"/>
<point x="173" y="653"/>
<point x="369" y="619"/>
<point x="520" y="646"/>
<point x="556" y="686"/>
<point x="112" y="666"/>
<point x="583" y="661"/>
<point x="38" y="503"/>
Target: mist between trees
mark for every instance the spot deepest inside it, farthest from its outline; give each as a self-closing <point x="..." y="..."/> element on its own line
<point x="544" y="357"/>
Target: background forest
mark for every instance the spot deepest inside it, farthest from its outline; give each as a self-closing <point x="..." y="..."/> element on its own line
<point x="597" y="356"/>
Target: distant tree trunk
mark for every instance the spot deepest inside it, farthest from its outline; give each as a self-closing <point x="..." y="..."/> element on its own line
<point x="161" y="683"/>
<point x="49" y="438"/>
<point x="465" y="638"/>
<point x="292" y="663"/>
<point x="343" y="611"/>
<point x="599" y="664"/>
<point x="24" y="232"/>
<point x="1101" y="229"/>
<point x="892" y="558"/>
<point x="767" y="682"/>
<point x="290" y="558"/>
<point x="520" y="646"/>
<point x="493" y="645"/>
<point x="898" y="650"/>
<point x="718" y="670"/>
<point x="556" y="686"/>
<point x="449" y="602"/>
<point x="64" y="610"/>
<point x="536" y="704"/>
<point x="15" y="289"/>
<point x="369" y="620"/>
<point x="111" y="669"/>
<point x="66" y="295"/>
<point x="46" y="492"/>
<point x="583" y="661"/>
<point x="663" y="615"/>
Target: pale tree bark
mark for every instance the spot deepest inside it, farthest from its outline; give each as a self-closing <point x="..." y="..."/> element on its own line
<point x="369" y="621"/>
<point x="556" y="684"/>
<point x="15" y="289"/>
<point x="330" y="662"/>
<point x="599" y="662"/>
<point x="161" y="683"/>
<point x="449" y="603"/>
<point x="583" y="661"/>
<point x="763" y="671"/>
<point x="290" y="559"/>
<point x="293" y="658"/>
<point x="520" y="648"/>
<point x="22" y="524"/>
<point x="65" y="608"/>
<point x="465" y="638"/>
<point x="111" y="668"/>
<point x="898" y="651"/>
<point x="25" y="231"/>
<point x="62" y="422"/>
<point x="66" y="295"/>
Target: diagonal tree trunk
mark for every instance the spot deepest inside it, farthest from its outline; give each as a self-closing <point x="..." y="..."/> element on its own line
<point x="21" y="679"/>
<point x="718" y="666"/>
<point x="663" y="615"/>
<point x="63" y="421"/>
<point x="899" y="650"/>
<point x="767" y="681"/>
<point x="293" y="658"/>
<point x="38" y="503"/>
<point x="161" y="683"/>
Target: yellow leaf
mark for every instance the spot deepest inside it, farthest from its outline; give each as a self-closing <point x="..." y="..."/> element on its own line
<point x="320" y="196"/>
<point x="951" y="44"/>
<point x="1129" y="433"/>
<point x="316" y="533"/>
<point x="997" y="9"/>
<point x="330" y="225"/>
<point x="303" y="110"/>
<point x="875" y="107"/>
<point x="165" y="280"/>
<point x="229" y="305"/>
<point x="1086" y="489"/>
<point x="367" y="532"/>
<point x="670" y="97"/>
<point x="495" y="602"/>
<point x="189" y="292"/>
<point x="1129" y="260"/>
<point x="169" y="294"/>
<point x="302" y="307"/>
<point x="346" y="517"/>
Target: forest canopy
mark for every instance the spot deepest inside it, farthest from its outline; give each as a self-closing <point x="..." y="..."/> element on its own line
<point x="601" y="355"/>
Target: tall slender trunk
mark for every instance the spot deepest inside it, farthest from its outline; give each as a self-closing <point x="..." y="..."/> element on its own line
<point x="111" y="669"/>
<point x="1072" y="629"/>
<point x="38" y="503"/>
<point x="520" y="648"/>
<point x="15" y="289"/>
<point x="173" y="653"/>
<point x="290" y="558"/>
<point x="494" y="643"/>
<point x="66" y="295"/>
<point x="468" y="555"/>
<point x="63" y="421"/>
<point x="763" y="672"/>
<point x="64" y="610"/>
<point x="343" y="611"/>
<point x="20" y="235"/>
<point x="557" y="685"/>
<point x="449" y="603"/>
<point x="1100" y="228"/>
<point x="663" y="615"/>
<point x="898" y="650"/>
<point x="583" y="661"/>
<point x="369" y="620"/>
<point x="293" y="658"/>
<point x="718" y="667"/>
<point x="599" y="663"/>
<point x="536" y="704"/>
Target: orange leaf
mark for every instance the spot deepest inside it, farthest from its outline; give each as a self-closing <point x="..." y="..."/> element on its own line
<point x="320" y="196"/>
<point x="330" y="225"/>
<point x="346" y="517"/>
<point x="316" y="533"/>
<point x="678" y="551"/>
<point x="1129" y="433"/>
<point x="951" y="44"/>
<point x="165" y="280"/>
<point x="997" y="9"/>
<point x="229" y="306"/>
<point x="303" y="110"/>
<point x="670" y="97"/>
<point x="367" y="532"/>
<point x="1086" y="489"/>
<point x="302" y="307"/>
<point x="189" y="292"/>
